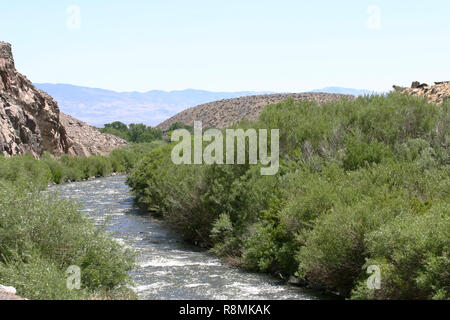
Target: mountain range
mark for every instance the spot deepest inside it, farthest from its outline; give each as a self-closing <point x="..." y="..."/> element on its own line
<point x="100" y="106"/>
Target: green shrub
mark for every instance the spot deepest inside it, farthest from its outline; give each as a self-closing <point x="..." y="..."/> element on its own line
<point x="414" y="250"/>
<point x="137" y="133"/>
<point x="25" y="170"/>
<point x="223" y="236"/>
<point x="38" y="279"/>
<point x="359" y="153"/>
<point x="41" y="236"/>
<point x="260" y="249"/>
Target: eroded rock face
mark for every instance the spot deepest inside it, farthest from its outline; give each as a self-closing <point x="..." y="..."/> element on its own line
<point x="223" y="113"/>
<point x="29" y="118"/>
<point x="85" y="140"/>
<point x="436" y="93"/>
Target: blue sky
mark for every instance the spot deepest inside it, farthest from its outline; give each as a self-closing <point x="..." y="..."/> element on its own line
<point x="229" y="45"/>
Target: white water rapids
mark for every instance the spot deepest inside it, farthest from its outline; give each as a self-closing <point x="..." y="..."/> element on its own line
<point x="169" y="269"/>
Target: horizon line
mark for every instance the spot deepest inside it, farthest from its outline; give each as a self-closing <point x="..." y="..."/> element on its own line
<point x="204" y="90"/>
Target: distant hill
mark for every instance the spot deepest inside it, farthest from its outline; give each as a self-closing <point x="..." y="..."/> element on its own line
<point x="99" y="106"/>
<point x="223" y="113"/>
<point x="340" y="90"/>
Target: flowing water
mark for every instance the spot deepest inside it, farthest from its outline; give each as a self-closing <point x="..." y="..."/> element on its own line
<point x="169" y="268"/>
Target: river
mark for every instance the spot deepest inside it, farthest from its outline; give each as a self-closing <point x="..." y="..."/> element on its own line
<point x="169" y="268"/>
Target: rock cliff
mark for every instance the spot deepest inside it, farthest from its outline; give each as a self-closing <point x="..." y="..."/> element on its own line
<point x="85" y="140"/>
<point x="30" y="120"/>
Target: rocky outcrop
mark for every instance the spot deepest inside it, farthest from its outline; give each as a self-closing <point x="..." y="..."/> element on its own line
<point x="223" y="113"/>
<point x="31" y="122"/>
<point x="29" y="118"/>
<point x="85" y="140"/>
<point x="436" y="93"/>
<point x="8" y="293"/>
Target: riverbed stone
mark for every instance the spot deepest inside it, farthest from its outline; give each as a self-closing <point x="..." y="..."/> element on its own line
<point x="8" y="293"/>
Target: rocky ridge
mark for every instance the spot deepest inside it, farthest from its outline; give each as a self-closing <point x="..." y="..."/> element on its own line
<point x="30" y="120"/>
<point x="436" y="93"/>
<point x="85" y="140"/>
<point x="223" y="113"/>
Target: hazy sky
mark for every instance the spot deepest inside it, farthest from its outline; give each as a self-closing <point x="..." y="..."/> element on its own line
<point x="229" y="45"/>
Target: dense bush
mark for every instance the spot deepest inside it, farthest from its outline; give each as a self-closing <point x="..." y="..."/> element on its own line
<point x="41" y="236"/>
<point x="179" y="125"/>
<point x="25" y="170"/>
<point x="137" y="133"/>
<point x="414" y="253"/>
<point x="361" y="183"/>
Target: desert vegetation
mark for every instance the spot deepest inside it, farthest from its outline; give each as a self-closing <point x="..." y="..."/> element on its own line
<point x="42" y="235"/>
<point x="362" y="182"/>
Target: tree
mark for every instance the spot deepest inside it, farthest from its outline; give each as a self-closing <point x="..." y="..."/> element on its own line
<point x="137" y="133"/>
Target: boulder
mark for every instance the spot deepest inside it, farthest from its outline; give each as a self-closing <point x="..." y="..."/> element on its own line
<point x="8" y="293"/>
<point x="437" y="93"/>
